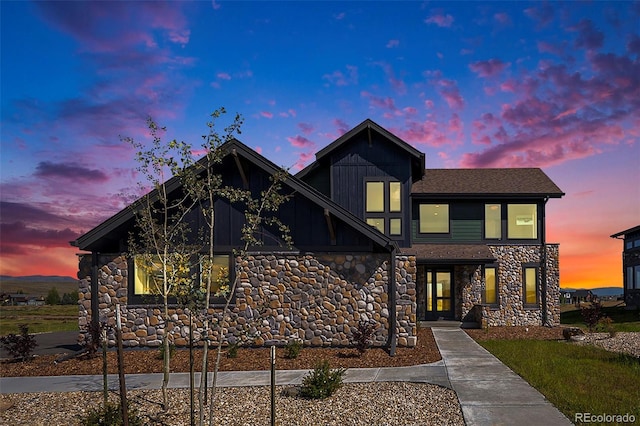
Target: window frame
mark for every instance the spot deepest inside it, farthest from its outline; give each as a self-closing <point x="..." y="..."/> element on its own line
<point x="525" y="285"/>
<point x="151" y="299"/>
<point x="387" y="214"/>
<point x="447" y="232"/>
<point x="496" y="268"/>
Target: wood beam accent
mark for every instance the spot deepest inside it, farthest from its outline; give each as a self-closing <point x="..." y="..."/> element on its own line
<point x="245" y="182"/>
<point x="332" y="232"/>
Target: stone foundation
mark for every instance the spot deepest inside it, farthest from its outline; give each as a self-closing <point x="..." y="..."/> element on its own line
<point x="317" y="299"/>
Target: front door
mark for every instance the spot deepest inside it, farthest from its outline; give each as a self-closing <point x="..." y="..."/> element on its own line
<point x="435" y="293"/>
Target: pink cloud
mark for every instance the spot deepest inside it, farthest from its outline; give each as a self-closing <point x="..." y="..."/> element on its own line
<point x="378" y="102"/>
<point x="393" y="43"/>
<point x="502" y="18"/>
<point x="589" y="36"/>
<point x="223" y="76"/>
<point x="441" y="20"/>
<point x="303" y="159"/>
<point x="300" y="142"/>
<point x="266" y="114"/>
<point x="542" y="12"/>
<point x="306" y="128"/>
<point x="341" y="126"/>
<point x="489" y="68"/>
<point x="448" y="89"/>
<point x="338" y="78"/>
<point x="258" y="149"/>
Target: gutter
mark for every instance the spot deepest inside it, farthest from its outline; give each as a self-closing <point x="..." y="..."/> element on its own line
<point x="543" y="266"/>
<point x="391" y="337"/>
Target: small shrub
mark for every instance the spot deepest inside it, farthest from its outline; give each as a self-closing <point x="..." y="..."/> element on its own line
<point x="322" y="381"/>
<point x="605" y="324"/>
<point x="109" y="415"/>
<point x="232" y="350"/>
<point x="19" y="346"/>
<point x="292" y="349"/>
<point x="172" y="351"/>
<point x="591" y="315"/>
<point x="363" y="336"/>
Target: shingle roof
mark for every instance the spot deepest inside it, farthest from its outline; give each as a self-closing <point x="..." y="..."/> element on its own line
<point x="452" y="253"/>
<point x="519" y="182"/>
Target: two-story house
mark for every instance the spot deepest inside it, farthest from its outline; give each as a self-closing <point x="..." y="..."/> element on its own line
<point x="631" y="265"/>
<point x="376" y="236"/>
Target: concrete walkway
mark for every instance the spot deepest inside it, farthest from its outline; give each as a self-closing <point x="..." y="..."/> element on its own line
<point x="488" y="391"/>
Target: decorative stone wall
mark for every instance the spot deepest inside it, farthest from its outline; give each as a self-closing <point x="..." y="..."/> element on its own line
<point x="317" y="299"/>
<point x="510" y="310"/>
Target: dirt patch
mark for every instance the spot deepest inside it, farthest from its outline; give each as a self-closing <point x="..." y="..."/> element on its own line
<point x="149" y="361"/>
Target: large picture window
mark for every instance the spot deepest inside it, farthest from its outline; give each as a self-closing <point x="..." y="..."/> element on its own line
<point x="434" y="218"/>
<point x="148" y="273"/>
<point x="383" y="206"/>
<point x="522" y="221"/>
<point x="530" y="285"/>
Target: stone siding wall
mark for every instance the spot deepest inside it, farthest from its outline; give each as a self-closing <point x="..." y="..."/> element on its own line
<point x="510" y="310"/>
<point x="317" y="299"/>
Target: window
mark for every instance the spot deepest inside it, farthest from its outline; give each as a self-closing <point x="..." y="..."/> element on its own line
<point x="375" y="197"/>
<point x="434" y="218"/>
<point x="530" y="285"/>
<point x="522" y="222"/>
<point x="148" y="276"/>
<point x="383" y="206"/>
<point x="376" y="222"/>
<point x="633" y="277"/>
<point x="490" y="296"/>
<point x="493" y="221"/>
<point x="220" y="279"/>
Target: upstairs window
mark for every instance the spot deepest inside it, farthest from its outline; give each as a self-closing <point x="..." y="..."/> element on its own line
<point x="493" y="221"/>
<point x="434" y="218"/>
<point x="383" y="206"/>
<point x="522" y="221"/>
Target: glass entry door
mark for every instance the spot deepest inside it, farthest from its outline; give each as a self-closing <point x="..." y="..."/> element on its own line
<point x="436" y="298"/>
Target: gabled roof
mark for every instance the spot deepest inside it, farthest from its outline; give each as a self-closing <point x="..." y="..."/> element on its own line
<point x="523" y="182"/>
<point x="626" y="231"/>
<point x="236" y="147"/>
<point x="418" y="158"/>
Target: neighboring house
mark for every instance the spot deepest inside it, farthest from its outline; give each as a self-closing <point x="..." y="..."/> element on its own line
<point x="631" y="265"/>
<point x="19" y="299"/>
<point x="580" y="296"/>
<point x="376" y="236"/>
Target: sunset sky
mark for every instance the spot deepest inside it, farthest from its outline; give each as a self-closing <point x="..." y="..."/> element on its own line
<point x="477" y="84"/>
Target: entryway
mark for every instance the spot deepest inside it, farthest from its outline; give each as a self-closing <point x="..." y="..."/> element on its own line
<point x="435" y="293"/>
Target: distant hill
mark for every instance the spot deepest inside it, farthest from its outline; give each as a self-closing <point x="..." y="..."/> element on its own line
<point x="37" y="284"/>
<point x="599" y="291"/>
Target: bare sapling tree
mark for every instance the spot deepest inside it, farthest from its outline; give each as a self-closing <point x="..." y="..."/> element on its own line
<point x="163" y="245"/>
<point x="260" y="213"/>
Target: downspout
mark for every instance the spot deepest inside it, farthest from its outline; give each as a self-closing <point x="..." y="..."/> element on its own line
<point x="543" y="265"/>
<point x="391" y="339"/>
<point x="95" y="314"/>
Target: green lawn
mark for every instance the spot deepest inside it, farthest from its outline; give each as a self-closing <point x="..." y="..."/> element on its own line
<point x="574" y="378"/>
<point x="39" y="318"/>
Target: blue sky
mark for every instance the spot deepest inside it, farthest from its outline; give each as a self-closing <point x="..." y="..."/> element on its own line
<point x="472" y="84"/>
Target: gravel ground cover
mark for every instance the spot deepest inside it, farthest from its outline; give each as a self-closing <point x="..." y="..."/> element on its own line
<point x="395" y="404"/>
